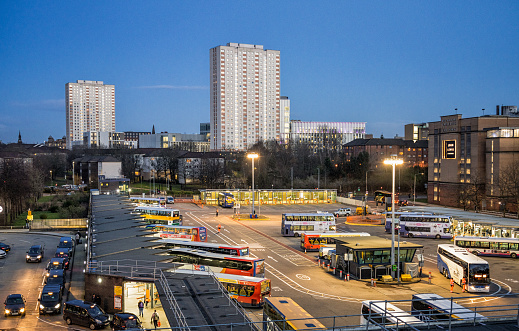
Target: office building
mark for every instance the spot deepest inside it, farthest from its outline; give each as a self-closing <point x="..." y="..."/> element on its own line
<point x="90" y="106"/>
<point x="326" y="135"/>
<point x="416" y="132"/>
<point x="245" y="97"/>
<point x="188" y="142"/>
<point x="469" y="154"/>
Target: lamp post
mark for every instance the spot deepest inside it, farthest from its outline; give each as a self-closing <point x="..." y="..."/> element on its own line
<point x="393" y="161"/>
<point x="252" y="156"/>
<point x="51" y="178"/>
<point x="414" y="190"/>
<point x="366" y="197"/>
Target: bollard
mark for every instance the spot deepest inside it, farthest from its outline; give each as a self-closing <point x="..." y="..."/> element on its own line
<point x="305" y="250"/>
<point x="319" y="262"/>
<point x="334" y="271"/>
<point x="371" y="281"/>
<point x="430" y="277"/>
<point x="340" y="273"/>
<point x="374" y="283"/>
<point x="348" y="277"/>
<point x="328" y="267"/>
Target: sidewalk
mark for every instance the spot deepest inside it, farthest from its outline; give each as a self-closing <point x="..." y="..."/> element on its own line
<point x="76" y="286"/>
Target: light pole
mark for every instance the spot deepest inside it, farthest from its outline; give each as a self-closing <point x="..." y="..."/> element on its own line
<point x="393" y="161"/>
<point x="252" y="156"/>
<point x="51" y="178"/>
<point x="366" y="198"/>
<point x="414" y="190"/>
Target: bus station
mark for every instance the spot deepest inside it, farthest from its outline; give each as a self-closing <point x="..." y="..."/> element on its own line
<point x="271" y="197"/>
<point x="370" y="257"/>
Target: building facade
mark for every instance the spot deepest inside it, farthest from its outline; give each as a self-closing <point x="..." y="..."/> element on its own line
<point x="132" y="137"/>
<point x="379" y="149"/>
<point x="90" y="106"/>
<point x="245" y="96"/>
<point x="326" y="135"/>
<point x="416" y="132"/>
<point x="284" y="106"/>
<point x="470" y="152"/>
<point x="100" y="139"/>
<point x="189" y="142"/>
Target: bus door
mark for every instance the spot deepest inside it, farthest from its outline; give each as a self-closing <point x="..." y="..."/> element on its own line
<point x="202" y="233"/>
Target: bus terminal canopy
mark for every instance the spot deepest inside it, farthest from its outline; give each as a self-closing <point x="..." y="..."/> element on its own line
<point x="272" y="196"/>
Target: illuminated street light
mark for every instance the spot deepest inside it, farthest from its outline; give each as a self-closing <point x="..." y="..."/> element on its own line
<point x="393" y="161"/>
<point x="252" y="156"/>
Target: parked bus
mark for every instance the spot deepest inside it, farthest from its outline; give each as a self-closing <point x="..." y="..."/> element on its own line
<point x="456" y="263"/>
<point x="429" y="307"/>
<point x="426" y="226"/>
<point x="383" y="313"/>
<point x="489" y="246"/>
<point x="295" y="224"/>
<point x="148" y="201"/>
<point x="204" y="246"/>
<point x="282" y="313"/>
<point x="389" y="217"/>
<point x="225" y="200"/>
<point x="312" y="241"/>
<point x="248" y="291"/>
<point x="194" y="259"/>
<point x="189" y="233"/>
<point x="157" y="215"/>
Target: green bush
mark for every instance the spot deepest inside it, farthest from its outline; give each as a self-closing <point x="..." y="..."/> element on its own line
<point x="43" y="216"/>
<point x="54" y="209"/>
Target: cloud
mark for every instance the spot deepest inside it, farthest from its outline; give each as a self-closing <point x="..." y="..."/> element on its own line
<point x="173" y="87"/>
<point x="52" y="104"/>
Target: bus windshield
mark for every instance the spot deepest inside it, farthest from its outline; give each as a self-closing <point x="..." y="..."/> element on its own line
<point x="479" y="273"/>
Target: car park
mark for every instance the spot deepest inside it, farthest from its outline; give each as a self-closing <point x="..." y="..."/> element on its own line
<point x="343" y="212"/>
<point x="14" y="305"/>
<point x="67" y="242"/>
<point x="85" y="313"/>
<point x="125" y="321"/>
<point x="50" y="300"/>
<point x="5" y="247"/>
<point x="63" y="253"/>
<point x="34" y="254"/>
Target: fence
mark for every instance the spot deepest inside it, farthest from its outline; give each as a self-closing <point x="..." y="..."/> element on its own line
<point x="65" y="223"/>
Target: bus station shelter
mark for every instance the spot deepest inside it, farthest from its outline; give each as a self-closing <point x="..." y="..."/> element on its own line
<point x="370" y="257"/>
<point x="272" y="196"/>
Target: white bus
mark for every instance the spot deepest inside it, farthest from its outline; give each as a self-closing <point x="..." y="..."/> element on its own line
<point x="490" y="246"/>
<point x="140" y="201"/>
<point x="426" y="226"/>
<point x="204" y="246"/>
<point x="295" y="224"/>
<point x="383" y="313"/>
<point x="398" y="214"/>
<point x="429" y="307"/>
<point x="456" y="263"/>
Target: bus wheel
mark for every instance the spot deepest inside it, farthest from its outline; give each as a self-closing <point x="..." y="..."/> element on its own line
<point x="410" y="235"/>
<point x="513" y="255"/>
<point x="438" y="236"/>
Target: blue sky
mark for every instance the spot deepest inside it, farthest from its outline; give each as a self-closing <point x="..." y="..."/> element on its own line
<point x="387" y="63"/>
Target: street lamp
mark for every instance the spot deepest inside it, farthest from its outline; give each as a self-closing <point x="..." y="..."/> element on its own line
<point x="414" y="190"/>
<point x="393" y="161"/>
<point x="252" y="156"/>
<point x="366" y="198"/>
<point x="51" y="178"/>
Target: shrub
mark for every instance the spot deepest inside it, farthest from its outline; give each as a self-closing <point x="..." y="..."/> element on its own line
<point x="54" y="209"/>
<point x="43" y="216"/>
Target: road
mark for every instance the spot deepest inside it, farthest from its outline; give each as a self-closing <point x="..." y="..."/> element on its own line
<point x="297" y="275"/>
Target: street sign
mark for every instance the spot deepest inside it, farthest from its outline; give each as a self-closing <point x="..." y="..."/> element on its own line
<point x="394" y="267"/>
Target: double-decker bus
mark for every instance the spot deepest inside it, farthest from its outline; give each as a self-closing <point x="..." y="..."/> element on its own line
<point x="489" y="246"/>
<point x="389" y="217"/>
<point x="426" y="226"/>
<point x="204" y="246"/>
<point x="282" y="313"/>
<point x="430" y="307"/>
<point x="313" y="241"/>
<point x="225" y="200"/>
<point x="383" y="313"/>
<point x="295" y="224"/>
<point x="148" y="201"/>
<point x="456" y="263"/>
<point x="193" y="259"/>
<point x="189" y="233"/>
<point x="248" y="291"/>
<point x="157" y="215"/>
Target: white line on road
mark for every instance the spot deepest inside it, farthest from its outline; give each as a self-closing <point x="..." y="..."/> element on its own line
<point x="270" y="257"/>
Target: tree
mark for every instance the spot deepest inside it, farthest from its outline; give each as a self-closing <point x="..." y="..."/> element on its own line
<point x="211" y="172"/>
<point x="509" y="186"/>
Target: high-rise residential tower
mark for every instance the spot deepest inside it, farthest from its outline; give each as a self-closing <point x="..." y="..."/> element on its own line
<point x="90" y="106"/>
<point x="245" y="106"/>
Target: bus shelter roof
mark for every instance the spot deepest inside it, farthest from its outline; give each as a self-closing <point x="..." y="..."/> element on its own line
<point x="372" y="243"/>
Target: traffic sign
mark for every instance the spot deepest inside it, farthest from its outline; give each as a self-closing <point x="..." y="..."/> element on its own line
<point x="394" y="267"/>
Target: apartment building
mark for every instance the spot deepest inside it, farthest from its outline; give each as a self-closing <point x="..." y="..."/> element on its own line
<point x="90" y="106"/>
<point x="245" y="96"/>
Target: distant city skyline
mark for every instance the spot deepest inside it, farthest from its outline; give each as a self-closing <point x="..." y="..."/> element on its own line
<point x="386" y="64"/>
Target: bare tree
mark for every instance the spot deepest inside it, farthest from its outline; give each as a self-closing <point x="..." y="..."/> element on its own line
<point x="509" y="186"/>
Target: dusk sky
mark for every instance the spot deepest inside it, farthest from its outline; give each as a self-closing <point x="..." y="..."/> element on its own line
<point x="386" y="63"/>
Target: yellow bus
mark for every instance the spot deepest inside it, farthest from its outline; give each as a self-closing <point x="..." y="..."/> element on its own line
<point x="157" y="215"/>
<point x="282" y="313"/>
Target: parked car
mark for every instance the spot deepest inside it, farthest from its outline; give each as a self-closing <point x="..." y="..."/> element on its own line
<point x="2" y="254"/>
<point x="14" y="305"/>
<point x="56" y="263"/>
<point x="126" y="321"/>
<point x="343" y="212"/>
<point x="68" y="243"/>
<point x="50" y="300"/>
<point x="85" y="313"/>
<point x="34" y="254"/>
<point x="56" y="277"/>
<point x="6" y="248"/>
<point x="170" y="200"/>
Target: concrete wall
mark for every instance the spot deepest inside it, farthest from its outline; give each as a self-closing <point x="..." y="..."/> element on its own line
<point x="105" y="289"/>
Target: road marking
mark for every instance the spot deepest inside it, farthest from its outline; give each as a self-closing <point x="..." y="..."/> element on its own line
<point x="270" y="257"/>
<point x="244" y="241"/>
<point x="302" y="277"/>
